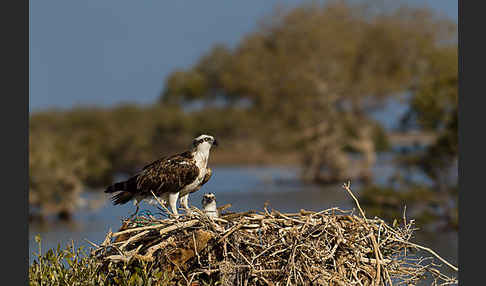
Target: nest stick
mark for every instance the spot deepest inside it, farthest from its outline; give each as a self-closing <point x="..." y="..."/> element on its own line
<point x="329" y="246"/>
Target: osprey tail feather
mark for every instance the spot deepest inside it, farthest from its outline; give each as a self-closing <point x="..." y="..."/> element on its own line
<point x="122" y="198"/>
<point x="127" y="190"/>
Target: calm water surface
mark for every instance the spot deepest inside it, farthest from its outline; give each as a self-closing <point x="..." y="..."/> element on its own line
<point x="245" y="188"/>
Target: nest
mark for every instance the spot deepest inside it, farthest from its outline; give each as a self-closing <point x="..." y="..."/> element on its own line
<point x="329" y="247"/>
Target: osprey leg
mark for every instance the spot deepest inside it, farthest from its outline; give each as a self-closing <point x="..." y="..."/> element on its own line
<point x="184" y="201"/>
<point x="173" y="202"/>
<point x="136" y="211"/>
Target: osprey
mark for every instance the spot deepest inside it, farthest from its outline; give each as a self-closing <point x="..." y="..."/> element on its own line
<point x="209" y="205"/>
<point x="170" y="178"/>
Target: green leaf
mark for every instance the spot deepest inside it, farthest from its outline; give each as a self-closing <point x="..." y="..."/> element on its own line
<point x="135" y="280"/>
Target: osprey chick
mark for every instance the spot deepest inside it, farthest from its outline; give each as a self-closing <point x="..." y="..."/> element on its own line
<point x="169" y="177"/>
<point x="209" y="205"/>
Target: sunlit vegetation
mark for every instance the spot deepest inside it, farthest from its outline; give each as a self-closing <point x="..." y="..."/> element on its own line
<point x="72" y="265"/>
<point x="302" y="85"/>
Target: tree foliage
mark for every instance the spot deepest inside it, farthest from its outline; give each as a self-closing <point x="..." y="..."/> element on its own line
<point x="433" y="107"/>
<point x="312" y="74"/>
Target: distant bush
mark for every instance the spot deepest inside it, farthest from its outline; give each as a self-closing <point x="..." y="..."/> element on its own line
<point x="84" y="148"/>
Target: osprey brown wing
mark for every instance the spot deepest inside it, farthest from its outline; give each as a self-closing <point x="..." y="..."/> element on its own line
<point x="209" y="172"/>
<point x="206" y="178"/>
<point x="168" y="174"/>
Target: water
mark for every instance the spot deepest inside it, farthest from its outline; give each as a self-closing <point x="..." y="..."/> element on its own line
<point x="245" y="188"/>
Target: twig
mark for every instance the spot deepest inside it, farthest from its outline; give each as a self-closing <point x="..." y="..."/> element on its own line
<point x="230" y="231"/>
<point x="134" y="238"/>
<point x="137" y="229"/>
<point x="163" y="205"/>
<point x="92" y="243"/>
<point x="185" y="224"/>
<point x="430" y="251"/>
<point x="347" y="187"/>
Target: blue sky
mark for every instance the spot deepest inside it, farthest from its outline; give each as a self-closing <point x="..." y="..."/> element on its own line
<point x="106" y="52"/>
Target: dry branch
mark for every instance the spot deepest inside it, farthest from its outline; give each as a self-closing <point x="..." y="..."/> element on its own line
<point x="329" y="247"/>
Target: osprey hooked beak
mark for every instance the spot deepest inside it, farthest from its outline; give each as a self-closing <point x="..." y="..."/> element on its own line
<point x="215" y="142"/>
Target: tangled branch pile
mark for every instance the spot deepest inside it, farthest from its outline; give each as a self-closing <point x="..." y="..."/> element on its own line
<point x="330" y="247"/>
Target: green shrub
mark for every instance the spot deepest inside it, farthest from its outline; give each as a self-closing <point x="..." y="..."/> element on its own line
<point x="70" y="266"/>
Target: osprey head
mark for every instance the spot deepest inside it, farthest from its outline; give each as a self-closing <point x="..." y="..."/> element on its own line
<point x="208" y="198"/>
<point x="204" y="142"/>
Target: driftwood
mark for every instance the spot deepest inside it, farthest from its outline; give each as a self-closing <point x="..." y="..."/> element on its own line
<point x="329" y="247"/>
